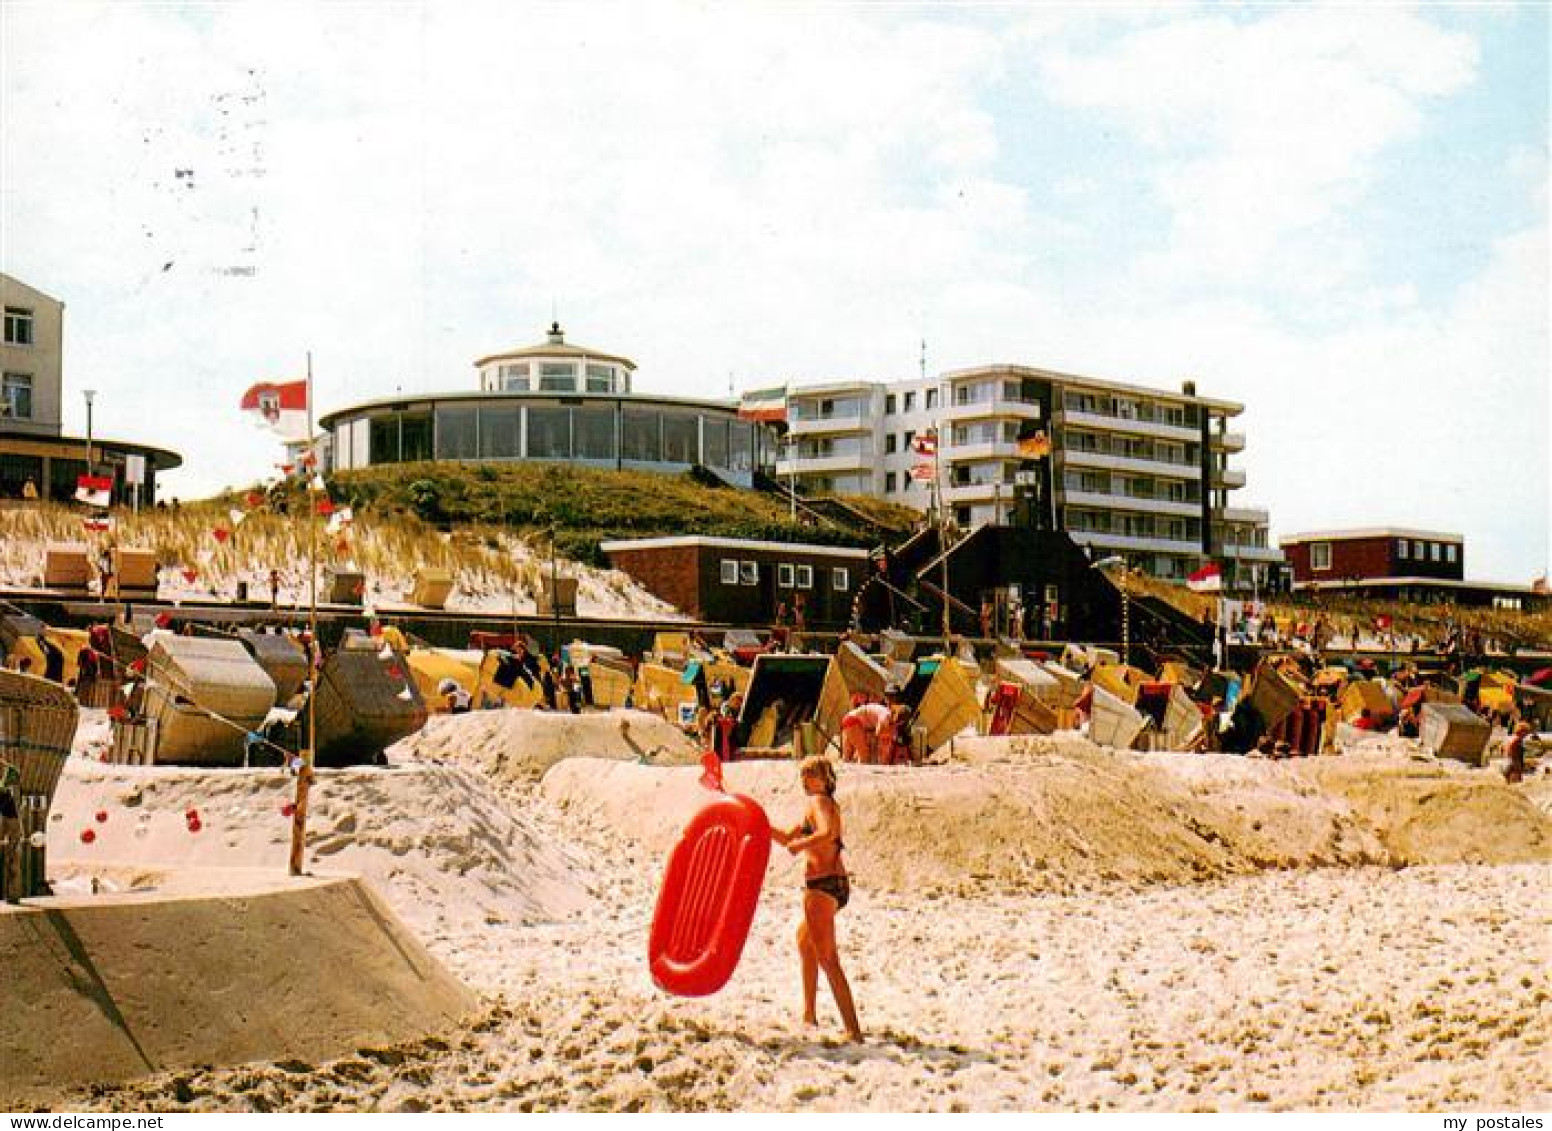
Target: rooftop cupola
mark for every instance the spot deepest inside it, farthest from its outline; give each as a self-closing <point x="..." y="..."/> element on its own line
<point x="557" y="338"/>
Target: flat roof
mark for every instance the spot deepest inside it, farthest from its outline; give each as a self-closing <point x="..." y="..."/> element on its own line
<point x="1371" y="532"/>
<point x="1229" y="408"/>
<point x="427" y="400"/>
<point x="1438" y="582"/>
<point x="709" y="542"/>
<point x="36" y="443"/>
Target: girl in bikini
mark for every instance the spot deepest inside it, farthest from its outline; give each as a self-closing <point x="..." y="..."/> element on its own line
<point x="826" y="889"/>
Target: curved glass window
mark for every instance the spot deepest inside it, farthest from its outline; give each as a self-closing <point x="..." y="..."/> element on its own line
<point x="592" y="432"/>
<point x="600" y="378"/>
<point x="714" y="434"/>
<point x="741" y="445"/>
<point x="500" y="433"/>
<point x="457" y="432"/>
<point x="514" y="378"/>
<point x="639" y="436"/>
<point x="415" y="437"/>
<point x="549" y="432"/>
<point x="681" y="440"/>
<point x="385" y="439"/>
<point x="557" y="377"/>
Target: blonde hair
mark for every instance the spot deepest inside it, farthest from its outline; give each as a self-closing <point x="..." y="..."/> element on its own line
<point x="819" y="767"/>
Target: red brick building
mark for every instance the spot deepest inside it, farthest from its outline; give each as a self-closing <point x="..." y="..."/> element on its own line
<point x="739" y="581"/>
<point x="1388" y="552"/>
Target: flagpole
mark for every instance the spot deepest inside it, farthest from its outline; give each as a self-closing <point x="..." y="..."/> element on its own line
<point x="937" y="482"/>
<point x="304" y="776"/>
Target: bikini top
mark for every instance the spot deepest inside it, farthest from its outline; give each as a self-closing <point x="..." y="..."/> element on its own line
<point x="807" y="829"/>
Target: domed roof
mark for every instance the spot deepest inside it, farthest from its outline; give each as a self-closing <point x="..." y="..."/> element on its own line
<point x="555" y="345"/>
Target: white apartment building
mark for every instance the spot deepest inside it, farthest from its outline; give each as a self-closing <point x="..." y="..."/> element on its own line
<point x="1135" y="471"/>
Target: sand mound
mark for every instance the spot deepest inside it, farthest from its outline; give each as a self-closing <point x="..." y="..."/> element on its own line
<point x="1063" y="815"/>
<point x="520" y="745"/>
<point x="436" y="841"/>
<point x="112" y="987"/>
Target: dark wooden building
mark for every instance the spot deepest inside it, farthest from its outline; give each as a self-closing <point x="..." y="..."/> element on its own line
<point x="740" y="581"/>
<point x="1389" y="552"/>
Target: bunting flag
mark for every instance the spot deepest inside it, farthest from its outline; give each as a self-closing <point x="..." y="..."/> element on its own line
<point x="925" y="444"/>
<point x="98" y="523"/>
<point x="325" y="506"/>
<point x="317" y="484"/>
<point x="94" y="490"/>
<point x="282" y="408"/>
<point x="1208" y="579"/>
<point x="190" y="575"/>
<point x="236" y="516"/>
<point x="254" y="499"/>
<point x="286" y="468"/>
<point x="221" y="534"/>
<point x="308" y="458"/>
<point x="340" y="519"/>
<point x="1037" y="446"/>
<point x="924" y="473"/>
<point x="342" y="547"/>
<point x="1381" y="622"/>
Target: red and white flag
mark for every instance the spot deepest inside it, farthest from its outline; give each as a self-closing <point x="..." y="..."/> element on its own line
<point x="98" y="523"/>
<point x="1208" y="579"/>
<point x="926" y="444"/>
<point x="94" y="490"/>
<point x="924" y="472"/>
<point x="280" y="407"/>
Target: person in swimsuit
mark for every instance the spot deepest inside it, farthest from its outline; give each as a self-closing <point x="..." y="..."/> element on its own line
<point x="826" y="889"/>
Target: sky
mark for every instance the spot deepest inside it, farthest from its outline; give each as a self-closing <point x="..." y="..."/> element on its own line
<point x="1335" y="215"/>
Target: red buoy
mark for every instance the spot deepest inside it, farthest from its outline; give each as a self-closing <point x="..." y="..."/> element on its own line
<point x="87" y="836"/>
<point x="102" y="815"/>
<point x="709" y="895"/>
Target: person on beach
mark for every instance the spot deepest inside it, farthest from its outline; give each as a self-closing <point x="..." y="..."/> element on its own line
<point x="1514" y="772"/>
<point x="826" y="889"/>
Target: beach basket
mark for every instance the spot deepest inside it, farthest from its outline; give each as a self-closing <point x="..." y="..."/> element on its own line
<point x="344" y="586"/>
<point x="1450" y="730"/>
<point x="1035" y="679"/>
<point x="281" y="658"/>
<point x="1272" y="694"/>
<point x="365" y="704"/>
<point x="1114" y="722"/>
<point x="432" y="588"/>
<point x="557" y="596"/>
<point x="430" y="666"/>
<point x="851" y="672"/>
<point x="66" y="567"/>
<point x="18" y="635"/>
<point x="37" y="725"/>
<point x="204" y="697"/>
<point x="1363" y="694"/>
<point x="134" y="572"/>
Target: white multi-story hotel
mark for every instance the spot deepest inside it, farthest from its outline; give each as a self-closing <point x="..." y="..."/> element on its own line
<point x="1132" y="470"/>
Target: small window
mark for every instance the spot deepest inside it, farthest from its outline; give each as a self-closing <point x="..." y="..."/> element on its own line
<point x="889" y="443"/>
<point x="1320" y="555"/>
<point x="1449" y="552"/>
<point x="18" y="326"/>
<point x="16" y="396"/>
<point x="749" y="573"/>
<point x="906" y="439"/>
<point x="1437" y="551"/>
<point x="557" y="377"/>
<point x="910" y="402"/>
<point x="729" y="571"/>
<point x="889" y="483"/>
<point x="889" y="404"/>
<point x="1417" y="551"/>
<point x="840" y="579"/>
<point x="805" y="577"/>
<point x="1401" y="549"/>
<point x="784" y="575"/>
<point x="600" y="378"/>
<point x="932" y="399"/>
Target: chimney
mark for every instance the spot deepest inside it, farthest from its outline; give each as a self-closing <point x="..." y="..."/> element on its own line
<point x="556" y="337"/>
<point x="1188" y="388"/>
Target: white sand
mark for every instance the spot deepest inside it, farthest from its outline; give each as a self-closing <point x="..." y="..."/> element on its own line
<point x="1316" y="985"/>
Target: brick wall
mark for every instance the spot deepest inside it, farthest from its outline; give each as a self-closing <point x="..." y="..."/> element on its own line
<point x="670" y="573"/>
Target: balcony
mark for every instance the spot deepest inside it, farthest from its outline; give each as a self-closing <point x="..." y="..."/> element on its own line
<point x="1075" y="457"/>
<point x="1245" y="516"/>
<point x="1104" y="540"/>
<point x="979" y="492"/>
<point x="1252" y="553"/>
<point x="1228" y="441"/>
<point x="992" y="408"/>
<point x="1229" y="477"/>
<point x="1178" y="508"/>
<point x="832" y="425"/>
<point x="1101" y="423"/>
<point x="981" y="450"/>
<point x="825" y="465"/>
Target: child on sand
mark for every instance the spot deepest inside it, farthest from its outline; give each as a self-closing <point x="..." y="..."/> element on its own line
<point x="826" y="889"/>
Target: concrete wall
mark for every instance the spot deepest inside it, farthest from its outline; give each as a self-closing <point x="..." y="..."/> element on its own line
<point x="43" y="360"/>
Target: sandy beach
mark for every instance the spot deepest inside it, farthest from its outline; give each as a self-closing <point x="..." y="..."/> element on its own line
<point x="1357" y="970"/>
